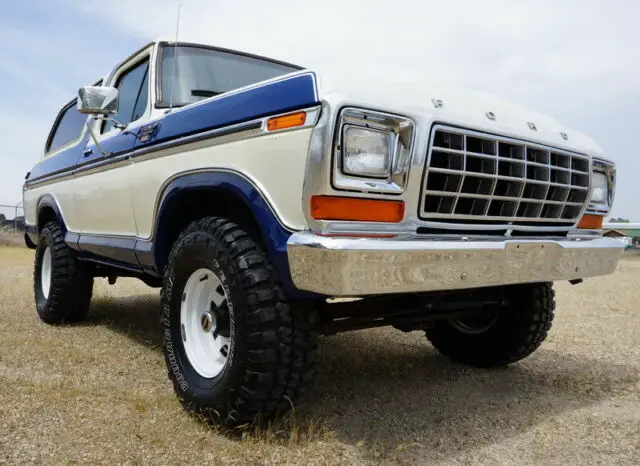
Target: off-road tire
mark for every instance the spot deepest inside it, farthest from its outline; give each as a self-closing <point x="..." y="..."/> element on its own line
<point x="273" y="344"/>
<point x="71" y="282"/>
<point x="519" y="330"/>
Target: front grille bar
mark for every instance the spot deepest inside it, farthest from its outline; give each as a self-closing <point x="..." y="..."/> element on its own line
<point x="472" y="176"/>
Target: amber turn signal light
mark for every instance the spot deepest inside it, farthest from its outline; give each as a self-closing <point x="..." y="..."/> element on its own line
<point x="286" y="121"/>
<point x="357" y="210"/>
<point x="591" y="222"/>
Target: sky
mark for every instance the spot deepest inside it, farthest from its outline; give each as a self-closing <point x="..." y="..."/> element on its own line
<point x="577" y="60"/>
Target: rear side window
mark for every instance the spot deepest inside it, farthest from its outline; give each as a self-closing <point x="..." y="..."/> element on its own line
<point x="68" y="127"/>
<point x="133" y="94"/>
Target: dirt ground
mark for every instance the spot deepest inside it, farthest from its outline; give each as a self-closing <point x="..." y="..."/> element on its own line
<point x="99" y="393"/>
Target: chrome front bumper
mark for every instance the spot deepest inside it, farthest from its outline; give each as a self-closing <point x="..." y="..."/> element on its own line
<point x="362" y="266"/>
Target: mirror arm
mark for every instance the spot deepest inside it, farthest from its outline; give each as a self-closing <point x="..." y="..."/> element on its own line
<point x="95" y="139"/>
<point x="116" y="123"/>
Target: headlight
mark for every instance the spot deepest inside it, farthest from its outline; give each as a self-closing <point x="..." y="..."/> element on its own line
<point x="372" y="151"/>
<point x="603" y="183"/>
<point x="366" y="152"/>
<point x="599" y="188"/>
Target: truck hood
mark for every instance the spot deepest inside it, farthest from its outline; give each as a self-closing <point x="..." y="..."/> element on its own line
<point x="459" y="106"/>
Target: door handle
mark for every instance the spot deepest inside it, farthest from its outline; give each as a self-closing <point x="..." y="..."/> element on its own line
<point x="87" y="152"/>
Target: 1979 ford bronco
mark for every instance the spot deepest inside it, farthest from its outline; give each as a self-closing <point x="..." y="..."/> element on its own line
<point x="253" y="195"/>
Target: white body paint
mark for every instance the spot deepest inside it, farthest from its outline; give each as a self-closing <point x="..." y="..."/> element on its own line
<point x="122" y="199"/>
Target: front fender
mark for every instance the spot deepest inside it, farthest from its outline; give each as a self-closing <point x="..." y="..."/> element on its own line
<point x="273" y="232"/>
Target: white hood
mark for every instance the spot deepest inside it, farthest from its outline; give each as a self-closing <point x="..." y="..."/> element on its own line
<point x="459" y="106"/>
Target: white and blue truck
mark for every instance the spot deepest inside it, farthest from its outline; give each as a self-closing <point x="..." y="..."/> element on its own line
<point x="252" y="194"/>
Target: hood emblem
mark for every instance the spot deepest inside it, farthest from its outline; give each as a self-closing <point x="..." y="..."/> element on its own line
<point x="491" y="116"/>
<point x="532" y="126"/>
<point x="564" y="136"/>
<point x="437" y="103"/>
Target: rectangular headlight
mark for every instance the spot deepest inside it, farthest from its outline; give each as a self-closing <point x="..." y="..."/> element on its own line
<point x="599" y="188"/>
<point x="372" y="151"/>
<point x="366" y="152"/>
<point x="603" y="186"/>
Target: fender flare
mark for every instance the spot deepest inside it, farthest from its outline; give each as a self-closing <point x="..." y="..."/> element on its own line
<point x="274" y="233"/>
<point x="47" y="200"/>
<point x="32" y="232"/>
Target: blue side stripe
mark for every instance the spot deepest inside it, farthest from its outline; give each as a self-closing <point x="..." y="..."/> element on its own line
<point x="279" y="96"/>
<point x="62" y="161"/>
<point x="276" y="97"/>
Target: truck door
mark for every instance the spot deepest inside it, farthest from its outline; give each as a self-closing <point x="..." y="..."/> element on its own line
<point x="104" y="177"/>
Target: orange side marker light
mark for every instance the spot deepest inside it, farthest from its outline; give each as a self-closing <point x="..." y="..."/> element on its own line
<point x="286" y="121"/>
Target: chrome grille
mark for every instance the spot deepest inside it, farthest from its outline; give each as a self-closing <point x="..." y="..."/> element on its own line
<point x="478" y="178"/>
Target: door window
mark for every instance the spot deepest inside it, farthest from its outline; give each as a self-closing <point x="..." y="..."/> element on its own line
<point x="133" y="94"/>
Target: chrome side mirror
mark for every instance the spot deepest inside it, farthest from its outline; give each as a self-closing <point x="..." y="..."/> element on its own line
<point x="97" y="100"/>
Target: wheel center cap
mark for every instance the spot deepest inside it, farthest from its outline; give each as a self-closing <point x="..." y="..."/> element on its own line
<point x="207" y="321"/>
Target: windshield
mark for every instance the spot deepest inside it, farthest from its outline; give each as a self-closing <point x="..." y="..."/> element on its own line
<point x="204" y="72"/>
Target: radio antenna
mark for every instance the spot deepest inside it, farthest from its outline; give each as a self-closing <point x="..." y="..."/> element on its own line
<point x="175" y="59"/>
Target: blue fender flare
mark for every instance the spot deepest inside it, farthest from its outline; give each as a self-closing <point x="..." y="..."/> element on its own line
<point x="274" y="234"/>
<point x="47" y="201"/>
<point x="32" y="232"/>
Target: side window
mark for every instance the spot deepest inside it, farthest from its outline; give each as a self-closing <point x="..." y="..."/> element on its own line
<point x="68" y="127"/>
<point x="133" y="88"/>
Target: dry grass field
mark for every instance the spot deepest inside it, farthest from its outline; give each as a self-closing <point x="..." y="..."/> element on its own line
<point x="98" y="392"/>
<point x="10" y="237"/>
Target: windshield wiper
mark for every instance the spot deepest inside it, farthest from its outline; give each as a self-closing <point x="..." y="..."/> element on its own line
<point x="204" y="93"/>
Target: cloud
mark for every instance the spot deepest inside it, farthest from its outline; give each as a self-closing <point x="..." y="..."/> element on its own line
<point x="478" y="44"/>
<point x="24" y="137"/>
<point x="34" y="80"/>
<point x="46" y="55"/>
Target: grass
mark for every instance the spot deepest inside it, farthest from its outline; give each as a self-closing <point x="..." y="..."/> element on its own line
<point x="98" y="392"/>
<point x="10" y="237"/>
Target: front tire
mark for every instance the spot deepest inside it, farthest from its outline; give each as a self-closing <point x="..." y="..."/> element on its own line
<point x="62" y="284"/>
<point x="234" y="348"/>
<point x="514" y="332"/>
